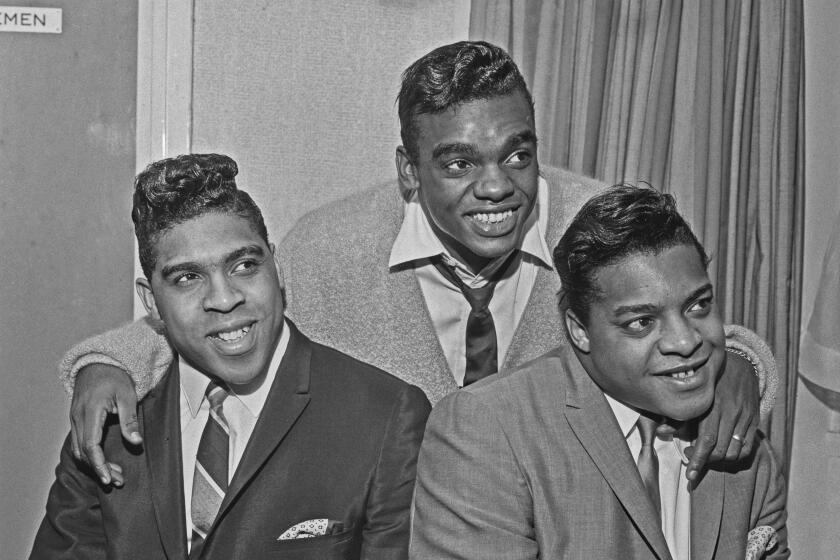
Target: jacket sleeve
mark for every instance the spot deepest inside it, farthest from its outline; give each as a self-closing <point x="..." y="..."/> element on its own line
<point x="743" y="341"/>
<point x="136" y="348"/>
<point x="387" y="523"/>
<point x="72" y="527"/>
<point x="472" y="499"/>
<point x="770" y="500"/>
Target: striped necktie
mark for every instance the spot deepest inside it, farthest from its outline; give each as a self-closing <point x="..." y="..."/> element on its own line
<point x="648" y="463"/>
<point x="210" y="481"/>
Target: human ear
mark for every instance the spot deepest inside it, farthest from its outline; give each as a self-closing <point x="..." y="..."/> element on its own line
<point x="144" y="290"/>
<point x="406" y="170"/>
<point x="577" y="331"/>
<point x="278" y="266"/>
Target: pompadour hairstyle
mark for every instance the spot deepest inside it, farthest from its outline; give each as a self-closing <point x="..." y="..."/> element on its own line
<point x="174" y="190"/>
<point x="451" y="75"/>
<point x="619" y="222"/>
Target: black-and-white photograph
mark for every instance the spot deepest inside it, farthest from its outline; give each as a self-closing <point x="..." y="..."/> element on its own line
<point x="420" y="279"/>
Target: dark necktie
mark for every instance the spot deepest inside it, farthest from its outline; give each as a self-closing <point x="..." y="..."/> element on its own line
<point x="648" y="463"/>
<point x="482" y="349"/>
<point x="210" y="481"/>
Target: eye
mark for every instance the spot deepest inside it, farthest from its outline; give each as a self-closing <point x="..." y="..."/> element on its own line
<point x="638" y="325"/>
<point x="185" y="279"/>
<point x="457" y="166"/>
<point x="702" y="306"/>
<point x="519" y="159"/>
<point x="245" y="267"/>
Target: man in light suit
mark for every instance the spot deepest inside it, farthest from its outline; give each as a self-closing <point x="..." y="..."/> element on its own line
<point x="562" y="457"/>
<point x="258" y="442"/>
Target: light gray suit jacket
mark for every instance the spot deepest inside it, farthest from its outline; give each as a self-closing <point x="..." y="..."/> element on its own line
<point x="532" y="464"/>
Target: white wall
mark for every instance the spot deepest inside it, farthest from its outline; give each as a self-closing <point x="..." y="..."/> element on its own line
<point x="814" y="499"/>
<point x="301" y="93"/>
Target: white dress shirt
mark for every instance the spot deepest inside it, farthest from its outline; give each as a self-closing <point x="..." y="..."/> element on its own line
<point x="673" y="486"/>
<point x="417" y="243"/>
<point x="241" y="408"/>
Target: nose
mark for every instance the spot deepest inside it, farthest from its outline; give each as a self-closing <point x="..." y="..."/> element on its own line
<point x="494" y="185"/>
<point x="680" y="337"/>
<point x="222" y="295"/>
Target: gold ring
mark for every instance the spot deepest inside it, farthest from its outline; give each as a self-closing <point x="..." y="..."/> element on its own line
<point x="738" y="438"/>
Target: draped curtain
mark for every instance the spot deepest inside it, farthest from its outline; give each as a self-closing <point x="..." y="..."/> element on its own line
<point x="700" y="99"/>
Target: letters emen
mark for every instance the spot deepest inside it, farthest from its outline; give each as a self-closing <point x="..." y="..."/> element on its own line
<point x="24" y="19"/>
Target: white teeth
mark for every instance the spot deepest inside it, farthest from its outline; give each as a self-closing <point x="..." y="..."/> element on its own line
<point x="492" y="217"/>
<point x="683" y="374"/>
<point x="233" y="335"/>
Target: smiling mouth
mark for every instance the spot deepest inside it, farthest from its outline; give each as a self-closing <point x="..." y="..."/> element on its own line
<point x="683" y="375"/>
<point x="234" y="335"/>
<point x="492" y="217"/>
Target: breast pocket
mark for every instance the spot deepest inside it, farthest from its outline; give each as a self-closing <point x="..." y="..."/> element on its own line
<point x="341" y="546"/>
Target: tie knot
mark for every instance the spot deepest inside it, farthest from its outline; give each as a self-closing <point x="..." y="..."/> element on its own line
<point x="216" y="394"/>
<point x="478" y="298"/>
<point x="647" y="429"/>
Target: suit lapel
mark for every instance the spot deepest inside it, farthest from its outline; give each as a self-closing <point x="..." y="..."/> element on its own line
<point x="706" y="514"/>
<point x="595" y="426"/>
<point x="161" y="423"/>
<point x="286" y="400"/>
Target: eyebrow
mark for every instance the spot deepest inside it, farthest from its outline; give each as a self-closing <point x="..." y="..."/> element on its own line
<point x="521" y="138"/>
<point x="649" y="308"/>
<point x="454" y="148"/>
<point x="470" y="149"/>
<point x="189" y="266"/>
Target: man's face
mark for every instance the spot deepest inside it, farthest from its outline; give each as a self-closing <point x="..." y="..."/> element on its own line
<point x="216" y="288"/>
<point x="654" y="340"/>
<point x="476" y="175"/>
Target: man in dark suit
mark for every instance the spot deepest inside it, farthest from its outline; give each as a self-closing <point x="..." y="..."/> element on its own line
<point x="581" y="452"/>
<point x="258" y="441"/>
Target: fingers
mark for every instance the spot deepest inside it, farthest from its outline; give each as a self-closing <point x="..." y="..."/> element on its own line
<point x="76" y="420"/>
<point x="91" y="445"/>
<point x="727" y="447"/>
<point x="704" y="445"/>
<point x="101" y="390"/>
<point x="116" y="474"/>
<point x="749" y="440"/>
<point x="127" y="411"/>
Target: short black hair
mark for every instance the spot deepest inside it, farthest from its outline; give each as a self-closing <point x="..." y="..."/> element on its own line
<point x="174" y="190"/>
<point x="451" y="75"/>
<point x="621" y="221"/>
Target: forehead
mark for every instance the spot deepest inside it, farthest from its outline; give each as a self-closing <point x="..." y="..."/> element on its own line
<point x="205" y="239"/>
<point x="661" y="279"/>
<point x="482" y="122"/>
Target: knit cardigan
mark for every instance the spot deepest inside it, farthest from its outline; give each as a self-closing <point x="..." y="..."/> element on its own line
<point x="341" y="292"/>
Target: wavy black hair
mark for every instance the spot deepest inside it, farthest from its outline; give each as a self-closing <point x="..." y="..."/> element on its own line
<point x="173" y="190"/>
<point x="621" y="221"/>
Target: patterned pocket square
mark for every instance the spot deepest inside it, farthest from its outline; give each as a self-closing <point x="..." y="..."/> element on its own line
<point x="760" y="540"/>
<point x="312" y="528"/>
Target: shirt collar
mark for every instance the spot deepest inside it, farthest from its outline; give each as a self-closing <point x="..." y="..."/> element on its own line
<point x="194" y="383"/>
<point x="627" y="418"/>
<point x="417" y="240"/>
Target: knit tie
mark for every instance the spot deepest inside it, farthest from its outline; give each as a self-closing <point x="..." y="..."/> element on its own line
<point x="648" y="463"/>
<point x="210" y="481"/>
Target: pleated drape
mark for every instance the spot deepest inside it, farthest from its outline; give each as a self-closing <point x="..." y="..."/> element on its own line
<point x="700" y="99"/>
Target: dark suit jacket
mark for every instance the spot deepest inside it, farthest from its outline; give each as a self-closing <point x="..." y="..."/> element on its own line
<point x="532" y="463"/>
<point x="336" y="439"/>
